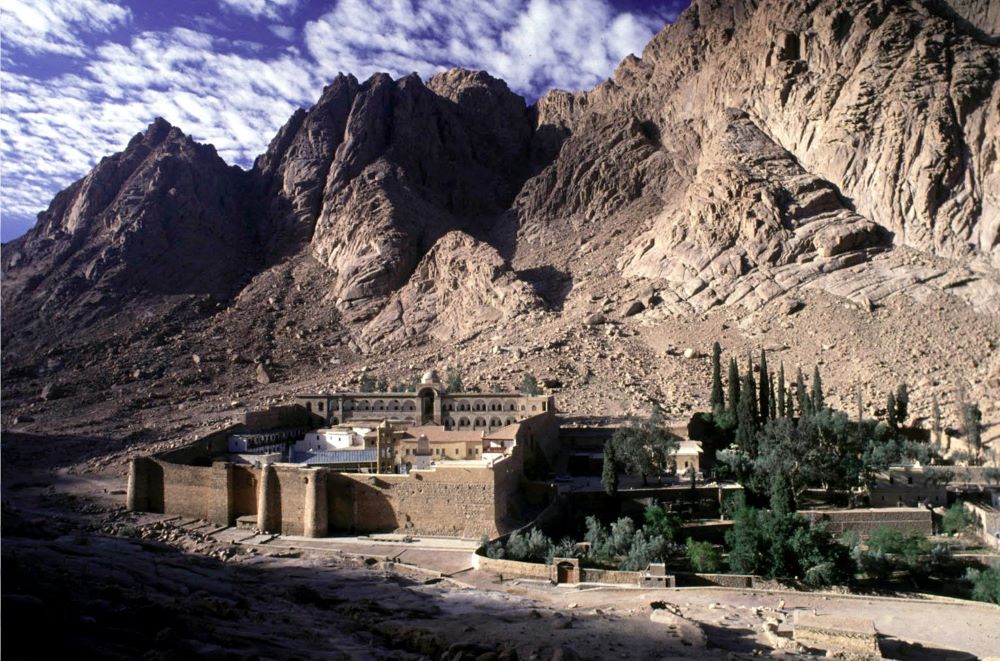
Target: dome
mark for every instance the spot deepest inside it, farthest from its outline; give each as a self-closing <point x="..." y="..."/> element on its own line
<point x="430" y="376"/>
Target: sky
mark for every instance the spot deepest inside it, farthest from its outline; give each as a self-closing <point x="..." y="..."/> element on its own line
<point x="79" y="78"/>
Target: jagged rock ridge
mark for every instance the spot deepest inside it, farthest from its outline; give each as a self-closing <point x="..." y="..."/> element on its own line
<point x="752" y="149"/>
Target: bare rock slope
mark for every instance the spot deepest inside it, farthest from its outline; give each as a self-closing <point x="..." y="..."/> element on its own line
<point x="757" y="155"/>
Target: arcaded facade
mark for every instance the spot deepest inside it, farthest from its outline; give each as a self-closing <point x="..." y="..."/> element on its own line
<point x="431" y="404"/>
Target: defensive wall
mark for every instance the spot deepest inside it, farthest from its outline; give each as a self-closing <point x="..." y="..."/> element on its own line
<point x="456" y="498"/>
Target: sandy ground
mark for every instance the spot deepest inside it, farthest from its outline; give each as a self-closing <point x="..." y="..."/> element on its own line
<point x="130" y="585"/>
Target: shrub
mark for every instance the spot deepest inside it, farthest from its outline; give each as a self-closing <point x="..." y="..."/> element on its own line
<point x="985" y="584"/>
<point x="956" y="519"/>
<point x="643" y="551"/>
<point x="703" y="556"/>
<point x="532" y="547"/>
<point x="660" y="522"/>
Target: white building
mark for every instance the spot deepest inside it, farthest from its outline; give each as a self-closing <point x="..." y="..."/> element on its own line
<point x="333" y="438"/>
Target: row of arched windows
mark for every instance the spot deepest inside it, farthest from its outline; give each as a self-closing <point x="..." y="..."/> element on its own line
<point x="476" y="423"/>
<point x="379" y="405"/>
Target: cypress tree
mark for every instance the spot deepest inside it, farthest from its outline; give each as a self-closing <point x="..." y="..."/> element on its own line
<point x="773" y="411"/>
<point x="972" y="417"/>
<point x="936" y="419"/>
<point x="609" y="471"/>
<point x="890" y="413"/>
<point x="817" y="391"/>
<point x="801" y="395"/>
<point x="860" y="402"/>
<point x="734" y="386"/>
<point x="789" y="404"/>
<point x="751" y="383"/>
<point x="744" y="418"/>
<point x="765" y="386"/>
<point x="717" y="401"/>
<point x="902" y="402"/>
<point x="781" y="391"/>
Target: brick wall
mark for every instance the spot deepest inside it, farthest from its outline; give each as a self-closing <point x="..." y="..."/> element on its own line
<point x="863" y="521"/>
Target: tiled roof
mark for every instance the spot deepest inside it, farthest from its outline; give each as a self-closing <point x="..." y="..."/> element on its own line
<point x="335" y="457"/>
<point x="438" y="434"/>
<point x="507" y="432"/>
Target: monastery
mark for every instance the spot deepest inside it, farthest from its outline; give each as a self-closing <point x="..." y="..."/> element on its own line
<point x="427" y="462"/>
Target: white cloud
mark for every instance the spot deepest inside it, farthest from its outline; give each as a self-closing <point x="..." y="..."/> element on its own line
<point x="261" y="8"/>
<point x="532" y="44"/>
<point x="57" y="26"/>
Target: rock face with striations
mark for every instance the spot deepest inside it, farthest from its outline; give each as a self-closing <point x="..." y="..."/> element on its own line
<point x="460" y="286"/>
<point x="754" y="148"/>
<point x="377" y="171"/>
<point x="163" y="217"/>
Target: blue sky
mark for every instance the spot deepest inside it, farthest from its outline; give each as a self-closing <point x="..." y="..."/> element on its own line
<point x="80" y="77"/>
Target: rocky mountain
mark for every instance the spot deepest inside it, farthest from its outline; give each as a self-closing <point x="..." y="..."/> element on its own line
<point x="758" y="156"/>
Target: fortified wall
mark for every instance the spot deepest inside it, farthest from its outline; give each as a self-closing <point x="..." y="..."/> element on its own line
<point x="456" y="498"/>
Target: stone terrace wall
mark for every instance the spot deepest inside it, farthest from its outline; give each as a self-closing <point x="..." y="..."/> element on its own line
<point x="864" y="521"/>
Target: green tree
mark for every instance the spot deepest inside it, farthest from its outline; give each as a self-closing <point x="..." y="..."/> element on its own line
<point x="801" y="395"/>
<point x="645" y="447"/>
<point x="956" y="519"/>
<point x="717" y="399"/>
<point x="453" y="380"/>
<point x="658" y="522"/>
<point x="772" y="399"/>
<point x="382" y="385"/>
<point x="818" y="402"/>
<point x="986" y="585"/>
<point x="781" y="391"/>
<point x="936" y="419"/>
<point x="609" y="471"/>
<point x="751" y="384"/>
<point x="703" y="556"/>
<point x="890" y="413"/>
<point x="367" y="383"/>
<point x="529" y="386"/>
<point x="902" y="402"/>
<point x="745" y="431"/>
<point x="972" y="419"/>
<point x="733" y="385"/>
<point x="765" y="385"/>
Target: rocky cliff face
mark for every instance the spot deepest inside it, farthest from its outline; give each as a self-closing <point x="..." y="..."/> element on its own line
<point x="755" y="151"/>
<point x="162" y="218"/>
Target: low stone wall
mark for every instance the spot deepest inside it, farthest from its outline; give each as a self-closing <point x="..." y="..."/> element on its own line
<point x="537" y="570"/>
<point x="864" y="521"/>
<point x="688" y="580"/>
<point x="512" y="568"/>
<point x="610" y="576"/>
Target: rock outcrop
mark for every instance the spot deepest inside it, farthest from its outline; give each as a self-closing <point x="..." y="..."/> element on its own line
<point x="460" y="287"/>
<point x="163" y="217"/>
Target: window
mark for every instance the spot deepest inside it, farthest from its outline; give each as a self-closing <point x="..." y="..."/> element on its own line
<point x="319" y="406"/>
<point x="309" y="406"/>
<point x="456" y="450"/>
